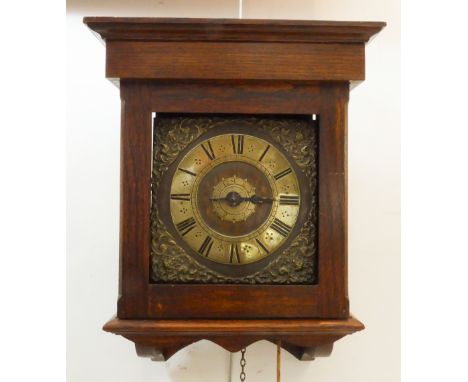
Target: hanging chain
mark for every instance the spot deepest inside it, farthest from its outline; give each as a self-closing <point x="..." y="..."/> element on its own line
<point x="242" y="364"/>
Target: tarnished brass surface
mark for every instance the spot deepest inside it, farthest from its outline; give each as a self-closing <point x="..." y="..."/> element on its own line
<point x="198" y="221"/>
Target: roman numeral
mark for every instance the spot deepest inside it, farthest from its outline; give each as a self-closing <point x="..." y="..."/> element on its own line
<point x="187" y="171"/>
<point x="262" y="245"/>
<point x="289" y="200"/>
<point x="185" y="226"/>
<point x="234" y="251"/>
<point x="209" y="151"/>
<point x="283" y="173"/>
<point x="180" y="197"/>
<point x="237" y="147"/>
<point x="282" y="228"/>
<point x="264" y="153"/>
<point x="205" y="248"/>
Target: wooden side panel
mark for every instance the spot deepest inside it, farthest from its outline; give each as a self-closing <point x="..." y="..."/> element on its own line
<point x="230" y="60"/>
<point x="333" y="200"/>
<point x="135" y="193"/>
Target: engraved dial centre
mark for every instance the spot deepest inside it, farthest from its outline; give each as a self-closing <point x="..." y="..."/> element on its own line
<point x="229" y="199"/>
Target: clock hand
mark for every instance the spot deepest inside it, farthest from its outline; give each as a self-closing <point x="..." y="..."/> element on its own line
<point x="258" y="199"/>
<point x="234" y="199"/>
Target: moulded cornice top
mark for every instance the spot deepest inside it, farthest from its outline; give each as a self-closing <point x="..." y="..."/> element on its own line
<point x="241" y="30"/>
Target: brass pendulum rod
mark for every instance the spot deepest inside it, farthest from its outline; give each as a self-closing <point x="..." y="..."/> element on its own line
<point x="278" y="361"/>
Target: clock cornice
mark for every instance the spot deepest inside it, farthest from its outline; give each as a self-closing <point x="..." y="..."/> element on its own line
<point x="233" y="49"/>
<point x="246" y="30"/>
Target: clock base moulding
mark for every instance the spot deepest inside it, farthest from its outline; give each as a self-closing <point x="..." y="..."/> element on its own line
<point x="303" y="338"/>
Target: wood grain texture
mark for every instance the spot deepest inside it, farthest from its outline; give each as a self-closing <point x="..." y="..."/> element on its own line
<point x="235" y="327"/>
<point x="189" y="29"/>
<point x="228" y="60"/>
<point x="333" y="196"/>
<point x="237" y="97"/>
<point x="305" y="339"/>
<point x="135" y="199"/>
<point x="239" y="301"/>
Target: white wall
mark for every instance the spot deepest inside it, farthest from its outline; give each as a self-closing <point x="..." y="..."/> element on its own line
<point x="93" y="209"/>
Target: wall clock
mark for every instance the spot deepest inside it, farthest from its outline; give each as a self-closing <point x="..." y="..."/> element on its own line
<point x="233" y="180"/>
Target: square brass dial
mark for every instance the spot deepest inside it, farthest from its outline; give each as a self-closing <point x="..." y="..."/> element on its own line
<point x="234" y="200"/>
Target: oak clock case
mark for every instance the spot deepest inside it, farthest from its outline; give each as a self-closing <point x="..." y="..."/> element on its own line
<point x="215" y="242"/>
<point x="234" y="199"/>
